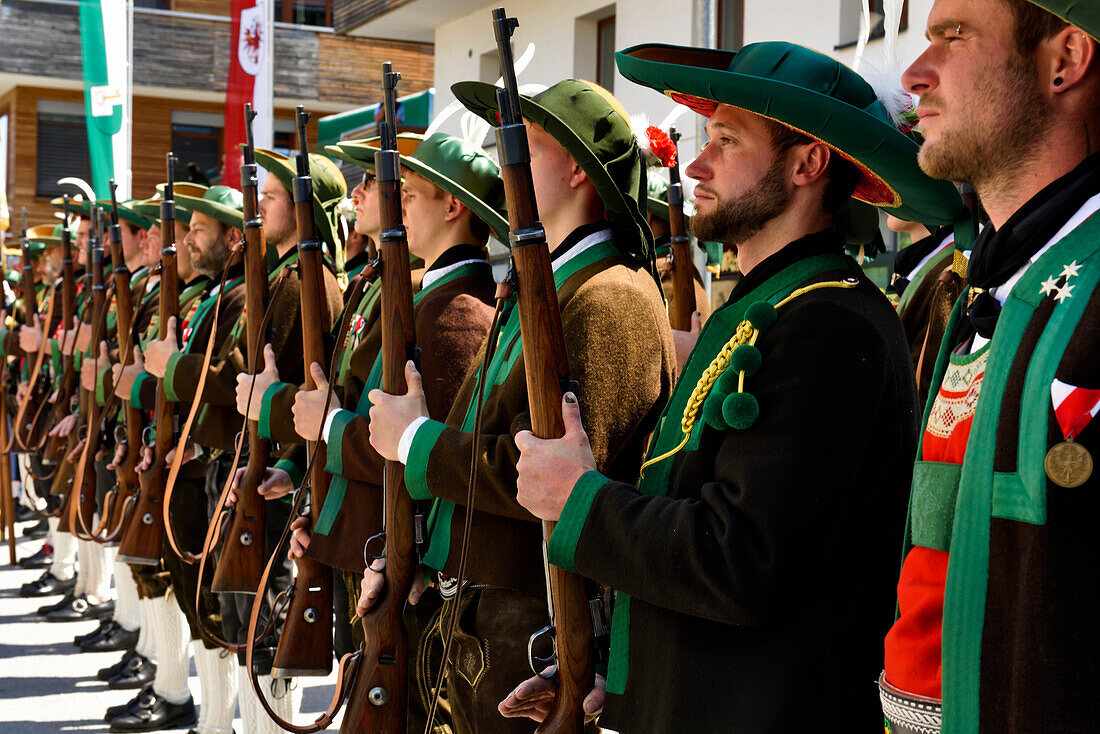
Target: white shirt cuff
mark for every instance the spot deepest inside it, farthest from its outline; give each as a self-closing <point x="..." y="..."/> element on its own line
<point x="404" y="446"/>
<point x="328" y="423"/>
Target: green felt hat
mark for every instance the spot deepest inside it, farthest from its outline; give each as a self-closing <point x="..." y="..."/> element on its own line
<point x="179" y="188"/>
<point x="595" y="129"/>
<point x="329" y="188"/>
<point x="454" y="165"/>
<point x="41" y="236"/>
<point x="657" y="199"/>
<point x="82" y="207"/>
<point x="219" y="202"/>
<point x="810" y="93"/>
<point x="126" y="212"/>
<point x="1085" y="14"/>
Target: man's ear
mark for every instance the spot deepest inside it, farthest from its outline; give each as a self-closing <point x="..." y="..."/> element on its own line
<point x="454" y="207"/>
<point x="234" y="236"/>
<point x="1069" y="55"/>
<point x="811" y="162"/>
<point x="577" y="176"/>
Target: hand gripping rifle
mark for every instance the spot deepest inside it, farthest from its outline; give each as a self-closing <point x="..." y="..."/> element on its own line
<point x="379" y="700"/>
<point x="547" y="372"/>
<point x="82" y="497"/>
<point x="242" y="558"/>
<point x="144" y="535"/>
<point x="305" y="646"/>
<point x="683" y="270"/>
<point x="125" y="492"/>
<point x="69" y="376"/>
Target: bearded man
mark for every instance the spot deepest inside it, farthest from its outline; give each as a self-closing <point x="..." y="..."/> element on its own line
<point x="996" y="628"/>
<point x="753" y="563"/>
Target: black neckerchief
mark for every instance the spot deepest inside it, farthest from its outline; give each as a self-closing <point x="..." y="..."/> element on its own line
<point x="361" y="259"/>
<point x="457" y="254"/>
<point x="576" y="236"/>
<point x="907" y="260"/>
<point x="827" y="242"/>
<point x="999" y="254"/>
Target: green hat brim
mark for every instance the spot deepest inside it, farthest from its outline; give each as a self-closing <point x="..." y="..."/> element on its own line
<point x="126" y="213"/>
<point x="216" y="210"/>
<point x="362" y="154"/>
<point x="481" y="99"/>
<point x="1084" y="15"/>
<point x="699" y="78"/>
<point x="659" y="208"/>
<point x="286" y="171"/>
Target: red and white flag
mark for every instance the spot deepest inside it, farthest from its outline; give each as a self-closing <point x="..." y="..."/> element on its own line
<point x="251" y="62"/>
<point x="1074" y="407"/>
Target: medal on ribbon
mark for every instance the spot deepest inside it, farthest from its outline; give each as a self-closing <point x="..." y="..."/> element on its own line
<point x="1069" y="464"/>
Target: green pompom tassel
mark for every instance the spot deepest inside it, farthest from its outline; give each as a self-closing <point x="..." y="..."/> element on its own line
<point x="740" y="410"/>
<point x="746" y="358"/>
<point x="712" y="413"/>
<point x="761" y="315"/>
<point x="727" y="381"/>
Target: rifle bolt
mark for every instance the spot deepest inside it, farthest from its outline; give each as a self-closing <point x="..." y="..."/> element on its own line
<point x="147" y="518"/>
<point x="246" y="538"/>
<point x="378" y="696"/>
<point x="310" y="615"/>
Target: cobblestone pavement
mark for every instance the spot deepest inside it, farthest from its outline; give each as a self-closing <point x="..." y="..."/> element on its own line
<point x="47" y="685"/>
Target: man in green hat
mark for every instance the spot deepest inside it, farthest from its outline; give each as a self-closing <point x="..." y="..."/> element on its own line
<point x="589" y="181"/>
<point x="753" y="564"/>
<point x="994" y="621"/>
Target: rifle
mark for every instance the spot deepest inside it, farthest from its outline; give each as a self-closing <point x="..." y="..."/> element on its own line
<point x="143" y="537"/>
<point x="242" y="558"/>
<point x="379" y="700"/>
<point x="68" y="382"/>
<point x="28" y="429"/>
<point x="81" y="490"/>
<point x="683" y="275"/>
<point x="125" y="491"/>
<point x="82" y="497"/>
<point x="7" y="501"/>
<point x="547" y="373"/>
<point x="305" y="647"/>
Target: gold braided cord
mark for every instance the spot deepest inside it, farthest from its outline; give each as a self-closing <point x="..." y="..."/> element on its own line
<point x="744" y="334"/>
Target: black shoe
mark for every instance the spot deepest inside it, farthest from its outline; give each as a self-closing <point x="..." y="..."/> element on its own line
<point x="133" y="703"/>
<point x="105" y="674"/>
<point x="38" y="530"/>
<point x="46" y="585"/>
<point x="103" y="610"/>
<point x="24" y="514"/>
<point x="137" y="673"/>
<point x="113" y="638"/>
<point x="59" y="604"/>
<point x="95" y="634"/>
<point x="154" y="714"/>
<point x="41" y="559"/>
<point x="80" y="609"/>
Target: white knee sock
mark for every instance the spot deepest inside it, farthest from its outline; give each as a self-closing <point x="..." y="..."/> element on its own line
<point x="146" y="637"/>
<point x="218" y="683"/>
<point x="127" y="613"/>
<point x="284" y="702"/>
<point x="84" y="558"/>
<point x="173" y="640"/>
<point x="64" y="551"/>
<point x="98" y="583"/>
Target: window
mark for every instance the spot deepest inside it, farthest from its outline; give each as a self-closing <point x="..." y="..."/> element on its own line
<point x="62" y="148"/>
<point x="154" y="4"/>
<point x="852" y="10"/>
<point x="731" y="24"/>
<point x="605" y="53"/>
<point x="304" y="12"/>
<point x="198" y="150"/>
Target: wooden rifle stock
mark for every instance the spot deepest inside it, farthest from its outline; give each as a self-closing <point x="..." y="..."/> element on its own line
<point x="379" y="700"/>
<point x="126" y="490"/>
<point x="7" y="501"/>
<point x="305" y="646"/>
<point x="547" y="370"/>
<point x="67" y="386"/>
<point x="242" y="558"/>
<point x="28" y="430"/>
<point x="143" y="537"/>
<point x="683" y="269"/>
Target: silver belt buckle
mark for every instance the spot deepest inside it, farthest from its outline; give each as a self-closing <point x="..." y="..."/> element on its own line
<point x="448" y="586"/>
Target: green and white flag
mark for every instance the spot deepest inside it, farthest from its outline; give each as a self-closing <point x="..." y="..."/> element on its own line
<point x="106" y="42"/>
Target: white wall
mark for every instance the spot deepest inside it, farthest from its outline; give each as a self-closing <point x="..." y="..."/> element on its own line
<point x="552" y="26"/>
